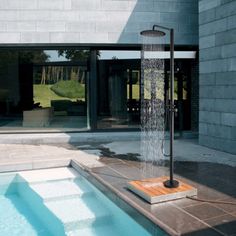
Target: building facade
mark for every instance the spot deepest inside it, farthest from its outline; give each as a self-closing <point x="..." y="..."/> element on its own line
<point x="94" y="21"/>
<point x="74" y="65"/>
<point x="217" y="37"/>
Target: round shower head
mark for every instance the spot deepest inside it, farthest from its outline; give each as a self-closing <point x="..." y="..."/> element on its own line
<point x="153" y="33"/>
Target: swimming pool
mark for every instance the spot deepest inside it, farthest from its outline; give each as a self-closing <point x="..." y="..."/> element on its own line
<point x="68" y="205"/>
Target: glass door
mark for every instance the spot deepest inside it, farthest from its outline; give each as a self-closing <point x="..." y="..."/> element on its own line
<point x="133" y="95"/>
<point x="118" y="91"/>
<point x="181" y="94"/>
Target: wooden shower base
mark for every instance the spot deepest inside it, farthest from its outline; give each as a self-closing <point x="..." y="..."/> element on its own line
<point x="153" y="190"/>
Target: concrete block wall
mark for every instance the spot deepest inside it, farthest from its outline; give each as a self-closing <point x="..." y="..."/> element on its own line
<point x="217" y="33"/>
<point x="94" y="21"/>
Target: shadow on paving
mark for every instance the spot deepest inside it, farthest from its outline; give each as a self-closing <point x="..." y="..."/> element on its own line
<point x="219" y="177"/>
<point x="228" y="228"/>
<point x="213" y="181"/>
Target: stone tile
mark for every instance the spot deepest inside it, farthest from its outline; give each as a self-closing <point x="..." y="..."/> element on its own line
<point x="207" y="178"/>
<point x="51" y="5"/>
<point x="43" y="26"/>
<point x="9" y="37"/>
<point x="227" y="207"/>
<point x="204" y="211"/>
<point x="185" y="202"/>
<point x="206" y="16"/>
<point x="129" y="171"/>
<point x="109" y="160"/>
<point x="136" y="164"/>
<point x="15" y="166"/>
<point x="181" y="221"/>
<point x="225" y="224"/>
<point x="50" y="163"/>
<point x="86" y="5"/>
<point x="210" y="193"/>
<point x="109" y="175"/>
<point x="85" y="159"/>
<point x="207" y="5"/>
<point x="67" y="37"/>
<point x="204" y="232"/>
<point x="207" y="42"/>
<point x="20" y="26"/>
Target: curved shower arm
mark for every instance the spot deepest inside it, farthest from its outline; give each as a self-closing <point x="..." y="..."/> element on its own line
<point x="161" y="27"/>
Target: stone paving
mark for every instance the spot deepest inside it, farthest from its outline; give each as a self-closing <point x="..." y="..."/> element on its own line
<point x="184" y="150"/>
<point x="212" y="172"/>
<point x="15" y="157"/>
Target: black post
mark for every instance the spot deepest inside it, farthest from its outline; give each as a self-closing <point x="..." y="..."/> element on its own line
<point x="92" y="90"/>
<point x="171" y="183"/>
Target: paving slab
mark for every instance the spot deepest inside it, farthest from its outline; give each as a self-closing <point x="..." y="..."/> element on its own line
<point x="212" y="172"/>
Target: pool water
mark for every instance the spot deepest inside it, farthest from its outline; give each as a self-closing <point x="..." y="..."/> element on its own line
<point x="17" y="219"/>
<point x="70" y="206"/>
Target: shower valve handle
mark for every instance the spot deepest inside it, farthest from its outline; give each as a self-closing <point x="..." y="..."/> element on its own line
<point x="172" y="108"/>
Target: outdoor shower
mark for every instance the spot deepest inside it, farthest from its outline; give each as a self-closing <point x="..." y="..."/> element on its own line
<point x="154" y="32"/>
<point x="153" y="109"/>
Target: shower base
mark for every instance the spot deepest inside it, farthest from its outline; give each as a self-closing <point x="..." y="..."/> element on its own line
<point x="153" y="190"/>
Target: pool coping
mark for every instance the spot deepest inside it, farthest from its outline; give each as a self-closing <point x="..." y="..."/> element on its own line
<point x="140" y="215"/>
<point x="116" y="191"/>
<point x="112" y="192"/>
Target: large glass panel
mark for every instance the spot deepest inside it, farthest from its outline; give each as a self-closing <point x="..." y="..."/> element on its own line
<point x="181" y="93"/>
<point x="43" y="90"/>
<point x="118" y="89"/>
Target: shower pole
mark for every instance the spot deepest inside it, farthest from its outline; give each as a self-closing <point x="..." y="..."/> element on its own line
<point x="171" y="183"/>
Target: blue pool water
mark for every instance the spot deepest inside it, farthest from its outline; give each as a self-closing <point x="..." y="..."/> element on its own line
<point x="70" y="207"/>
<point x="17" y="219"/>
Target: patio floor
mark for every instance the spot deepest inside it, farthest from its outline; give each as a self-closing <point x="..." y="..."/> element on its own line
<point x="212" y="172"/>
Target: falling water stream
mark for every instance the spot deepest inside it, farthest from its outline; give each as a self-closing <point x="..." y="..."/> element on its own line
<point x="152" y="106"/>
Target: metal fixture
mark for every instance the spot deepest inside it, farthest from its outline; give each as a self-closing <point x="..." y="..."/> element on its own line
<point x="154" y="32"/>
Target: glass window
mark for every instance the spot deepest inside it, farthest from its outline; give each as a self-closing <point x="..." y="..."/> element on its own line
<point x="43" y="89"/>
<point x="118" y="89"/>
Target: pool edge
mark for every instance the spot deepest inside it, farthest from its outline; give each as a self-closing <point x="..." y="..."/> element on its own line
<point x="125" y="202"/>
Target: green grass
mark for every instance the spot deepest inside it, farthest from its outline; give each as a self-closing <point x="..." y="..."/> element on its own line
<point x="135" y="88"/>
<point x="135" y="92"/>
<point x="43" y="94"/>
<point x="69" y="89"/>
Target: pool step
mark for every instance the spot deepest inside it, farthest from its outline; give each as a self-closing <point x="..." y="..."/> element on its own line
<point x="73" y="202"/>
<point x="37" y="206"/>
<point x="103" y="230"/>
<point x="54" y="190"/>
<point x="77" y="213"/>
<point x="68" y="205"/>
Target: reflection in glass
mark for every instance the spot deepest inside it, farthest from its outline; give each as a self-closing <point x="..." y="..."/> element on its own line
<point x="118" y="89"/>
<point x="43" y="89"/>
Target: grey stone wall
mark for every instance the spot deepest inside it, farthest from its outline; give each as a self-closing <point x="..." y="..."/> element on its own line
<point x="94" y="21"/>
<point x="217" y="117"/>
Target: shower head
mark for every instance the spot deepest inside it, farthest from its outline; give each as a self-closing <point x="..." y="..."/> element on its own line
<point x="153" y="33"/>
